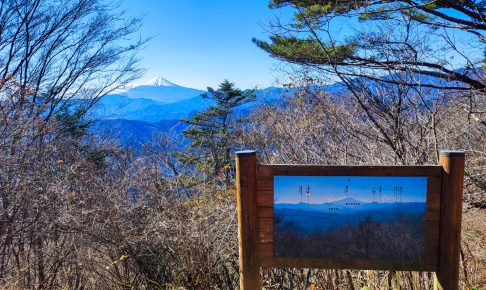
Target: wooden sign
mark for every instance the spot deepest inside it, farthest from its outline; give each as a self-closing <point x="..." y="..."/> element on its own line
<point x="350" y="217"/>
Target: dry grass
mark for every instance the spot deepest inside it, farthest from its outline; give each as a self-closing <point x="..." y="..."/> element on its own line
<point x="473" y="255"/>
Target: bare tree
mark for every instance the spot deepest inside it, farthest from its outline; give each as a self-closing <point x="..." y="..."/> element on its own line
<point x="60" y="51"/>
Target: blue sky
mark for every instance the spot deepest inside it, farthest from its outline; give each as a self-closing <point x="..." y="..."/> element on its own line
<point x="200" y="43"/>
<point x="330" y="188"/>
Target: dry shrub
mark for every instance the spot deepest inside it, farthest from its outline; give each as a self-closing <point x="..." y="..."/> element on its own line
<point x="473" y="253"/>
<point x="79" y="214"/>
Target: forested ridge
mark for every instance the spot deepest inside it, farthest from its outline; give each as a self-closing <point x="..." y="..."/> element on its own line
<point x="81" y="212"/>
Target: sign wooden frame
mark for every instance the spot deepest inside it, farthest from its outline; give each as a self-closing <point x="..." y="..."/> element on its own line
<point x="255" y="201"/>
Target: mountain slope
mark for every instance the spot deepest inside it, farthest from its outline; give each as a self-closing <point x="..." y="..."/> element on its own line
<point x="135" y="133"/>
<point x="122" y="106"/>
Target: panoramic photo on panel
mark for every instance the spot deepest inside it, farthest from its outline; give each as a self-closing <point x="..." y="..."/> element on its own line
<point x="350" y="217"/>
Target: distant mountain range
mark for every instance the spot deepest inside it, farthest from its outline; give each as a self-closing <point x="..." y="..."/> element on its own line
<point x="316" y="218"/>
<point x="148" y="110"/>
<point x="163" y="100"/>
<point x="154" y="101"/>
<point x="349" y="205"/>
<point x="133" y="116"/>
<point x="135" y="133"/>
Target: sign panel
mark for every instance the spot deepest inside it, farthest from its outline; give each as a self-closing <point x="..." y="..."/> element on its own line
<point x="350" y="217"/>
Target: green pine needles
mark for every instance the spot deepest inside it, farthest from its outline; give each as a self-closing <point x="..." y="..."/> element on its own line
<point x="213" y="133"/>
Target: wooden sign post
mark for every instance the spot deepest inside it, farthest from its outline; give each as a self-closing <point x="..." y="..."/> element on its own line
<point x="447" y="275"/>
<point x="247" y="222"/>
<point x="347" y="217"/>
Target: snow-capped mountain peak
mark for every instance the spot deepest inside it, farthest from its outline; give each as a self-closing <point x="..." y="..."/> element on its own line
<point x="160" y="82"/>
<point x="161" y="90"/>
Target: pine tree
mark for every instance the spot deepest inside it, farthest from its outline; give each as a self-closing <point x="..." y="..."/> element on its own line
<point x="370" y="50"/>
<point x="212" y="133"/>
